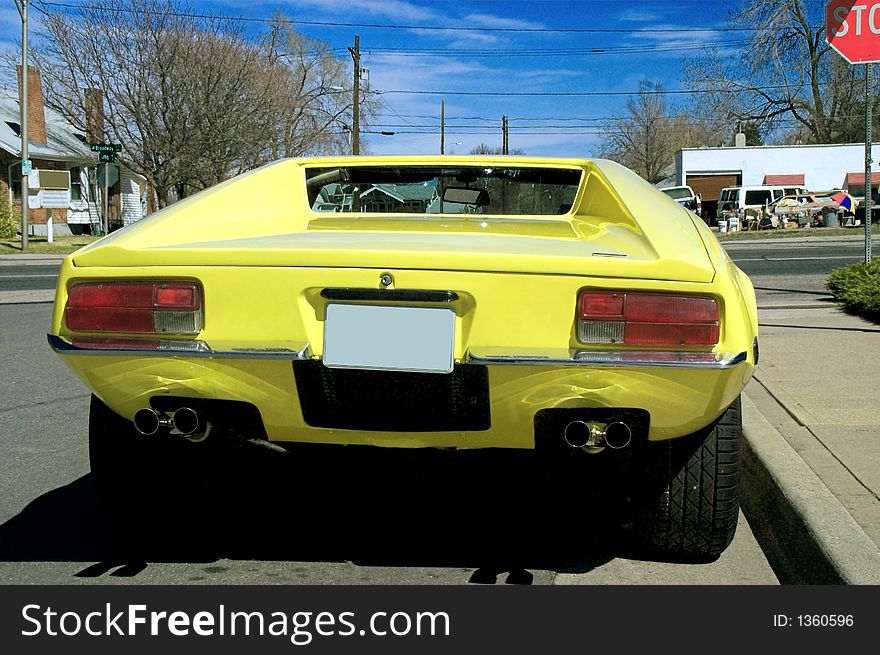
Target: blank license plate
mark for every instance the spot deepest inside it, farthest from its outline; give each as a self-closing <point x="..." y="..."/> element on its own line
<point x="389" y="338"/>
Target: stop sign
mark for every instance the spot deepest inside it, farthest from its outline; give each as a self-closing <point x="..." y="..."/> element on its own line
<point x="852" y="27"/>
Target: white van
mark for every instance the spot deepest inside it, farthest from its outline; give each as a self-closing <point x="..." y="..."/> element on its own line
<point x="740" y="198"/>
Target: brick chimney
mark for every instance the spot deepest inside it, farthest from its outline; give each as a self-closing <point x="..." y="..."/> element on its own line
<point x="94" y="115"/>
<point x="36" y="111"/>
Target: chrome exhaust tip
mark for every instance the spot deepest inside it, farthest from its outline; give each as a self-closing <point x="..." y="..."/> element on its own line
<point x="187" y="421"/>
<point x="617" y="435"/>
<point x="150" y="422"/>
<point x="587" y="437"/>
<point x="577" y="434"/>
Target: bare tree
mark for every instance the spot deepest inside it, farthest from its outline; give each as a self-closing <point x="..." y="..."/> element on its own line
<point x="786" y="76"/>
<point x="191" y="99"/>
<point x="484" y="149"/>
<point x="641" y="138"/>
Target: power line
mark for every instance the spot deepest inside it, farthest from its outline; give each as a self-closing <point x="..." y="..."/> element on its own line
<point x="466" y="28"/>
<point x="579" y="94"/>
<point x="465" y="53"/>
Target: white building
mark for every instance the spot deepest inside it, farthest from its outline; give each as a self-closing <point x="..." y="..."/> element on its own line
<point x="817" y="167"/>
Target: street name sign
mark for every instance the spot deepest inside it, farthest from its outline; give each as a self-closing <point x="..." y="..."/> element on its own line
<point x="116" y="147"/>
<point x="852" y="27"/>
<point x="107" y="156"/>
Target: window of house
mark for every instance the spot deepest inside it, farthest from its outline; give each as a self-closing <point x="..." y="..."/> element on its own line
<point x="15" y="182"/>
<point x="75" y="184"/>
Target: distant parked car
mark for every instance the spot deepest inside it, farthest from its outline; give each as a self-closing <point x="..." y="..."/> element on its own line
<point x="737" y="199"/>
<point x="805" y="207"/>
<point x="685" y="196"/>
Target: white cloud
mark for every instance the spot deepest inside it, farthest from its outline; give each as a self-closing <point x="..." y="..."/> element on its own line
<point x="547" y="75"/>
<point x="355" y="10"/>
<point x="639" y="16"/>
<point x="499" y="22"/>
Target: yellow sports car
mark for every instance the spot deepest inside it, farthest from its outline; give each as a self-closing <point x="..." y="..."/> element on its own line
<point x="559" y="305"/>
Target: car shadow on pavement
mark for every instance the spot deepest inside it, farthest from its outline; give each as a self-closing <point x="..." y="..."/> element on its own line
<point x="507" y="513"/>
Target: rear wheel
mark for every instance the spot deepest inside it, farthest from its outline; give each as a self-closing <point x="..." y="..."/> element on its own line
<point x="688" y="504"/>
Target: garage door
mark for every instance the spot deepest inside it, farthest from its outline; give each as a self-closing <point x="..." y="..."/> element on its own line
<point x="709" y="188"/>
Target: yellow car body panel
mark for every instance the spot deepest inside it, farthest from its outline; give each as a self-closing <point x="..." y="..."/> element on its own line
<point x="262" y="258"/>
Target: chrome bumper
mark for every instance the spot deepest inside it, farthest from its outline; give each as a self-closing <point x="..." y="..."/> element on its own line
<point x="297" y="351"/>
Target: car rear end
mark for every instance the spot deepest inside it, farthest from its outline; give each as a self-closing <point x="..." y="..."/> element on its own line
<point x="419" y="330"/>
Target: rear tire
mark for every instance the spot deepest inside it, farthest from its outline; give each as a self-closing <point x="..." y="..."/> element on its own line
<point x="688" y="505"/>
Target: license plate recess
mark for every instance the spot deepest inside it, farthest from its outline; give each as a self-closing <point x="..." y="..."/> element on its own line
<point x="389" y="338"/>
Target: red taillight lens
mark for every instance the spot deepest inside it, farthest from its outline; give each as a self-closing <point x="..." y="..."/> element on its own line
<point x="111" y="295"/>
<point x="670" y="334"/>
<point x="602" y="306"/>
<point x="647" y="308"/>
<point x="177" y="296"/>
<point x="646" y="319"/>
<point x="141" y="307"/>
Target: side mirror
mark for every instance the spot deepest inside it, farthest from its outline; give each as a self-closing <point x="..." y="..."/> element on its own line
<point x="466" y="196"/>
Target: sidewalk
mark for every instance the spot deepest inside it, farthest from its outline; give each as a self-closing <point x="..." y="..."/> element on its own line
<point x="812" y="454"/>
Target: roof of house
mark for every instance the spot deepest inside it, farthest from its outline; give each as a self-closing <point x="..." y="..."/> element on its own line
<point x="62" y="142"/>
<point x="407" y="192"/>
<point x="781" y="179"/>
<point x="859" y="178"/>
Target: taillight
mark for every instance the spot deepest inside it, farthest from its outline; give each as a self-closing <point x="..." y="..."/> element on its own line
<point x="647" y="319"/>
<point x="141" y="307"/>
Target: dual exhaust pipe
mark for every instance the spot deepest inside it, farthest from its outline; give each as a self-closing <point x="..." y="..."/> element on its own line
<point x="189" y="422"/>
<point x="592" y="437"/>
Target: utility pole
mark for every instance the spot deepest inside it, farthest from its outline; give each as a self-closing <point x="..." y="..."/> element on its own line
<point x="355" y="120"/>
<point x="504" y="136"/>
<point x="442" y="125"/>
<point x="22" y="6"/>
<point x="868" y="139"/>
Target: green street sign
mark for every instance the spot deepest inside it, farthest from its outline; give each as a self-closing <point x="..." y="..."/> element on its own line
<point x="105" y="147"/>
<point x="107" y="156"/>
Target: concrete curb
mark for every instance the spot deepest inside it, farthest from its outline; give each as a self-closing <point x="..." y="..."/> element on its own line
<point x="20" y="259"/>
<point x="807" y="534"/>
<point x="27" y="297"/>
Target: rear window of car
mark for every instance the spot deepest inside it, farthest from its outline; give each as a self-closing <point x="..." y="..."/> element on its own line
<point x="678" y="193"/>
<point x="420" y="189"/>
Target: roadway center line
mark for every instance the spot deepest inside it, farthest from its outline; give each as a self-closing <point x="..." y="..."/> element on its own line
<point x="792" y="259"/>
<point x="21" y="277"/>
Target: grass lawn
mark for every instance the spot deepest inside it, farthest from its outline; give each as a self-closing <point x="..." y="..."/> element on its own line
<point x="817" y="232"/>
<point x="39" y="245"/>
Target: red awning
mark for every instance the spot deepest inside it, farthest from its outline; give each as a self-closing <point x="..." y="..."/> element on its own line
<point x="858" y="179"/>
<point x="785" y="179"/>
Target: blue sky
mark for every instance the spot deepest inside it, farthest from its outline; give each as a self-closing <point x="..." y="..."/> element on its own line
<point x="475" y="58"/>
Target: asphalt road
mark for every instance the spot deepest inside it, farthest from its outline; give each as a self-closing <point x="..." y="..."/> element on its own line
<point x="775" y="257"/>
<point x="18" y="277"/>
<point x="386" y="518"/>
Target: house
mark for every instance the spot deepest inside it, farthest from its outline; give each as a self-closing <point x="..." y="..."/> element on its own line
<point x="55" y="145"/>
<point x="378" y="198"/>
